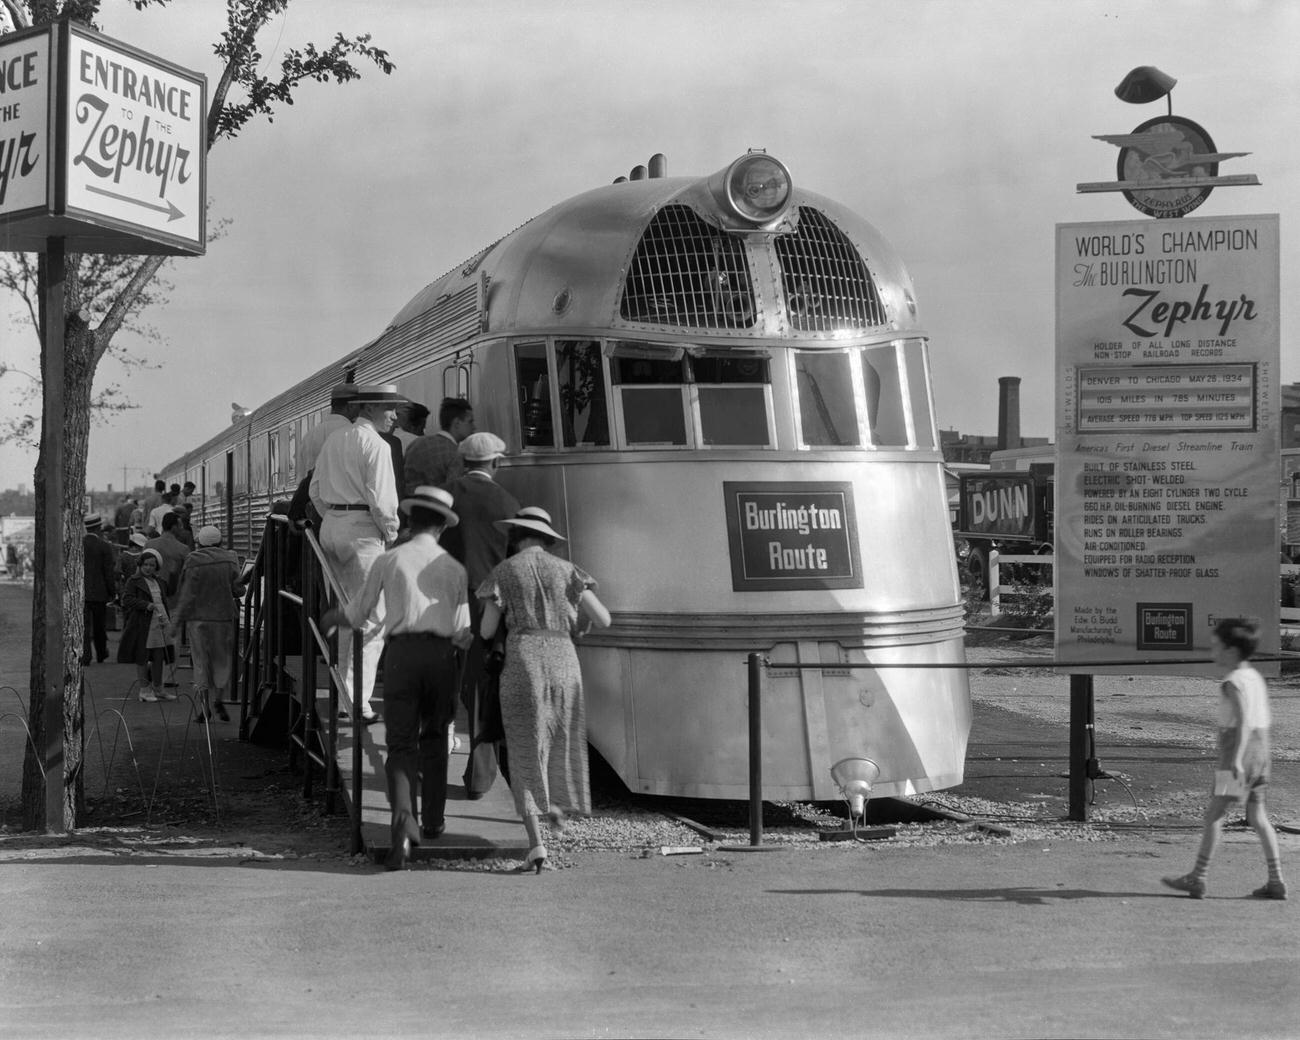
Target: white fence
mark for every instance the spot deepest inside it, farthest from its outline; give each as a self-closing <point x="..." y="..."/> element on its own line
<point x="1290" y="615"/>
<point x="997" y="590"/>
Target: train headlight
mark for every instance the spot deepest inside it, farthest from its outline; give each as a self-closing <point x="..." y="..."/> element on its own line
<point x="753" y="191"/>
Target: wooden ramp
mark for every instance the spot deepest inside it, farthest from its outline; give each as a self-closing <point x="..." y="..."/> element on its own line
<point x="482" y="827"/>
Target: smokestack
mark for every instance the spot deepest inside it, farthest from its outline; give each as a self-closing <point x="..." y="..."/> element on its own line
<point x="1008" y="412"/>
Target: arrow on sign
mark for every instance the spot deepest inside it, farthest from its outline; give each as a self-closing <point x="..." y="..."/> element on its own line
<point x="170" y="209"/>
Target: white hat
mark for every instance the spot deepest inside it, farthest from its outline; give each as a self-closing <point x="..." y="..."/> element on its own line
<point x="208" y="535"/>
<point x="377" y="393"/>
<point x="532" y="518"/>
<point x="481" y="447"/>
<point x="139" y="540"/>
<point x="428" y="497"/>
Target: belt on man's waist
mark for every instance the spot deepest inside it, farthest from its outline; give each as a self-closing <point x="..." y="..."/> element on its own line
<point x="418" y="635"/>
<point x="350" y="505"/>
<point x="538" y="632"/>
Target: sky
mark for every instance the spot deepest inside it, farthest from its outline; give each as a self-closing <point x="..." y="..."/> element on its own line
<point x="960" y="128"/>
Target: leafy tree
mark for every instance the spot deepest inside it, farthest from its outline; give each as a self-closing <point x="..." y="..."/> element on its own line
<point x="91" y="320"/>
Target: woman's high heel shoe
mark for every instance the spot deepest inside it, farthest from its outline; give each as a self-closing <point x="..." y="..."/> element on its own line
<point x="535" y="861"/>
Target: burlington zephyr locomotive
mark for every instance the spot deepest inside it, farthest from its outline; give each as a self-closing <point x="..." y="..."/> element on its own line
<point x="720" y="389"/>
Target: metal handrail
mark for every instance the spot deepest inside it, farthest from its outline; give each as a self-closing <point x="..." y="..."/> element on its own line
<point x="270" y="565"/>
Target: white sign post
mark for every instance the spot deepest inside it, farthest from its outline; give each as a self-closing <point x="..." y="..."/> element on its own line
<point x="1167" y="431"/>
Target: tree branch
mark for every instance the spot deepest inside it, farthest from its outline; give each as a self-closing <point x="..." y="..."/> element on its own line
<point x="125" y="300"/>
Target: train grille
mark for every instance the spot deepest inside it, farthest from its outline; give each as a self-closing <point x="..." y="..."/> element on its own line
<point x="827" y="286"/>
<point x="685" y="272"/>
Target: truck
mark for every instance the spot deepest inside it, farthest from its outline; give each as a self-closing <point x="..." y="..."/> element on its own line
<point x="1010" y="510"/>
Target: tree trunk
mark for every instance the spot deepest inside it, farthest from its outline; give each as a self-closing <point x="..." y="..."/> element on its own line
<point x="79" y="374"/>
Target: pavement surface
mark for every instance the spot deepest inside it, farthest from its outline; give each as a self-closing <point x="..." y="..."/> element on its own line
<point x="197" y="923"/>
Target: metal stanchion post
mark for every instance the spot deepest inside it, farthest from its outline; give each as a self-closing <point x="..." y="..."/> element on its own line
<point x="756" y="664"/>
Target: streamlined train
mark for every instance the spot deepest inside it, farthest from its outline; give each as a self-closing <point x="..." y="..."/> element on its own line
<point x="720" y="389"/>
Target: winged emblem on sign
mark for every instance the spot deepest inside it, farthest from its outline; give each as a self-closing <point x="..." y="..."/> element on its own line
<point x="1164" y="154"/>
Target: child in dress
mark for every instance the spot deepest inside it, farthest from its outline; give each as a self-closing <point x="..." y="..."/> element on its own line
<point x="1244" y="758"/>
<point x="144" y="639"/>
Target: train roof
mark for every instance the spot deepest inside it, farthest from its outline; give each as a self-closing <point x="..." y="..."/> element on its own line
<point x="643" y="258"/>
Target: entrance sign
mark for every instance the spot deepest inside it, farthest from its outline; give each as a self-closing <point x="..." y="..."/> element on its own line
<point x="1167" y="411"/>
<point x="797" y="535"/>
<point x="101" y="145"/>
<point x="24" y="121"/>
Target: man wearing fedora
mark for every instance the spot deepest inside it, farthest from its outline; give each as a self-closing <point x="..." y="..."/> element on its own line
<point x="480" y="545"/>
<point x="421" y="595"/>
<point x="99" y="588"/>
<point x="354" y="490"/>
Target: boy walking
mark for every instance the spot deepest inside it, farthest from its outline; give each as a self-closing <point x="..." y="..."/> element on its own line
<point x="1244" y="758"/>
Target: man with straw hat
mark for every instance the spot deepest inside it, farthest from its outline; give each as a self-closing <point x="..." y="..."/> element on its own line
<point x="425" y="614"/>
<point x="354" y="490"/>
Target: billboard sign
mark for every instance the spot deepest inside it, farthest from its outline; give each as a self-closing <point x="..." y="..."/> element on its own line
<point x="1167" y="412"/>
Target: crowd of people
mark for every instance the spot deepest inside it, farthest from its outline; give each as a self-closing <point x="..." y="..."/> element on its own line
<point x="176" y="588"/>
<point x="450" y="579"/>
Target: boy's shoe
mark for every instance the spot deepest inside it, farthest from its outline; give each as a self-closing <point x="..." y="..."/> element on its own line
<point x="148" y="695"/>
<point x="1193" y="886"/>
<point x="164" y="695"/>
<point x="1272" y="890"/>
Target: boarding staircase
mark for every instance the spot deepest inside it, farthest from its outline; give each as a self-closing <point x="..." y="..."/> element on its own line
<point x="284" y="658"/>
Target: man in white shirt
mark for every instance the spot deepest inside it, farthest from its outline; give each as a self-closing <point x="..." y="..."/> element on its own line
<point x="354" y="491"/>
<point x="425" y="613"/>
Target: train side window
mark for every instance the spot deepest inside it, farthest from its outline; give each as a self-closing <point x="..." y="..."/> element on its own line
<point x="883" y="377"/>
<point x="733" y="399"/>
<point x="584" y="408"/>
<point x="917" y="369"/>
<point x="534" y="395"/>
<point x="827" y="415"/>
<point x="651" y="387"/>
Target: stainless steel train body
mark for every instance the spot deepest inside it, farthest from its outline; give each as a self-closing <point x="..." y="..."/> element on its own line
<point x="720" y="389"/>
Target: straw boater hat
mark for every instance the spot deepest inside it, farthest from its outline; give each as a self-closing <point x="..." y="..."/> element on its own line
<point x="341" y="393"/>
<point x="428" y="497"/>
<point x="481" y="447"/>
<point x="93" y="521"/>
<point x="532" y="518"/>
<point x="377" y="393"/>
<point x="208" y="535"/>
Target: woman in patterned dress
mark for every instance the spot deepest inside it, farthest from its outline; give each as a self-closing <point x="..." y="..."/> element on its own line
<point x="540" y="597"/>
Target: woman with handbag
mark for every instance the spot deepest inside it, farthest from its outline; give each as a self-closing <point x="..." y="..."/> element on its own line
<point x="540" y="597"/>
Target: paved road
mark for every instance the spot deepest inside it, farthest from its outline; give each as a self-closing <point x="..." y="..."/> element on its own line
<point x="1032" y="940"/>
<point x="1049" y="937"/>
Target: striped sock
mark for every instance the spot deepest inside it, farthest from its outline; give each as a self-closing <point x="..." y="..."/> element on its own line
<point x="1274" y="868"/>
<point x="1202" y="866"/>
